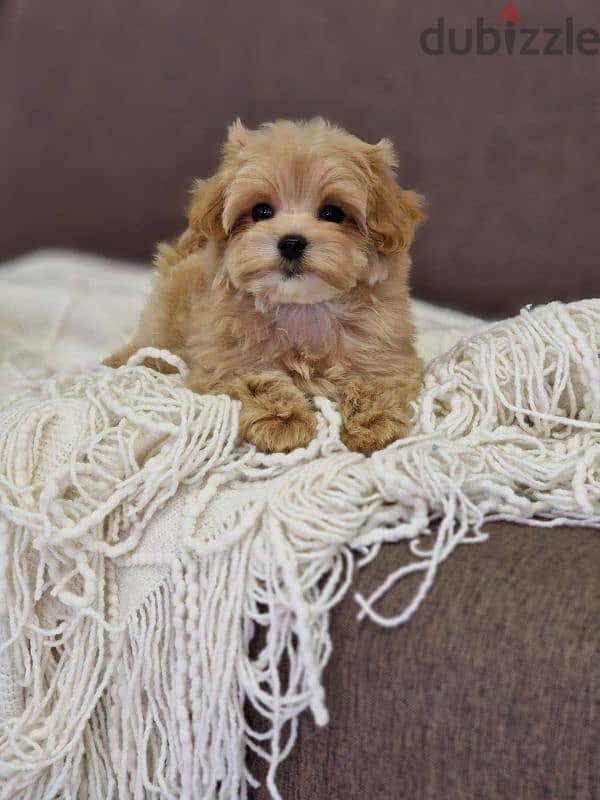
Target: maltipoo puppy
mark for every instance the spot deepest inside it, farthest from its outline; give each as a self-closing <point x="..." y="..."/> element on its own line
<point x="291" y="281"/>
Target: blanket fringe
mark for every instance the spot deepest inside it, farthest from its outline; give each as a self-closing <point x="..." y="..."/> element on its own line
<point x="100" y="702"/>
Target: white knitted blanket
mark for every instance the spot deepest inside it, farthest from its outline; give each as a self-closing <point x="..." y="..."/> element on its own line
<point x="143" y="548"/>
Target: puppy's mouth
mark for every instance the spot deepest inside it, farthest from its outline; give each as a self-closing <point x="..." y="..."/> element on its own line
<point x="292" y="270"/>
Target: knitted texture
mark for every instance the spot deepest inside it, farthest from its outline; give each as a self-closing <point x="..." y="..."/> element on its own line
<point x="156" y="573"/>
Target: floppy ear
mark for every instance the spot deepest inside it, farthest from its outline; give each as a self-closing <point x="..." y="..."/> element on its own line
<point x="237" y="138"/>
<point x="204" y="215"/>
<point x="206" y="209"/>
<point x="393" y="214"/>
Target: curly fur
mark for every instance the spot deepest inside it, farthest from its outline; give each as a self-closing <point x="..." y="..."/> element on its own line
<point x="342" y="329"/>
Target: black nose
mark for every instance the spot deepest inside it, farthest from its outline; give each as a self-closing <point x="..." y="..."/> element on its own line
<point x="292" y="246"/>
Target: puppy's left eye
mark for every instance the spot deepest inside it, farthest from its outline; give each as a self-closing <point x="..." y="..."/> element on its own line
<point x="331" y="213"/>
<point x="262" y="211"/>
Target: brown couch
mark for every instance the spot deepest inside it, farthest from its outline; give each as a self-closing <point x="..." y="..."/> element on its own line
<point x="491" y="692"/>
<point x="109" y="109"/>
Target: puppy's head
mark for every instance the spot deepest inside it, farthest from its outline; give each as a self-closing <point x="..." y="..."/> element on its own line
<point x="303" y="212"/>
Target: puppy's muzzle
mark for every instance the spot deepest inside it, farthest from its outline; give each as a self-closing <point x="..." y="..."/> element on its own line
<point x="291" y="248"/>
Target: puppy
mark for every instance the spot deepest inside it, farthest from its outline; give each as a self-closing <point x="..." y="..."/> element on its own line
<point x="291" y="281"/>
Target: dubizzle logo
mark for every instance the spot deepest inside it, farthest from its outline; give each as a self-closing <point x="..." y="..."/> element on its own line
<point x="513" y="39"/>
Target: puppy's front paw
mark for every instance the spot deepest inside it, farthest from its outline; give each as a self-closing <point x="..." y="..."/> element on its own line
<point x="375" y="414"/>
<point x="275" y="415"/>
<point x="373" y="432"/>
<point x="281" y="434"/>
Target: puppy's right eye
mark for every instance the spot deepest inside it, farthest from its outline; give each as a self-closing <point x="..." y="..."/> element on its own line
<point x="262" y="211"/>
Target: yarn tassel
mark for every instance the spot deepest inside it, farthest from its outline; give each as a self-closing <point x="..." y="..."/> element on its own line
<point x="117" y="482"/>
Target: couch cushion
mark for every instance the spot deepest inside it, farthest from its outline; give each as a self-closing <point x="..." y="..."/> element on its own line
<point x="110" y="109"/>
